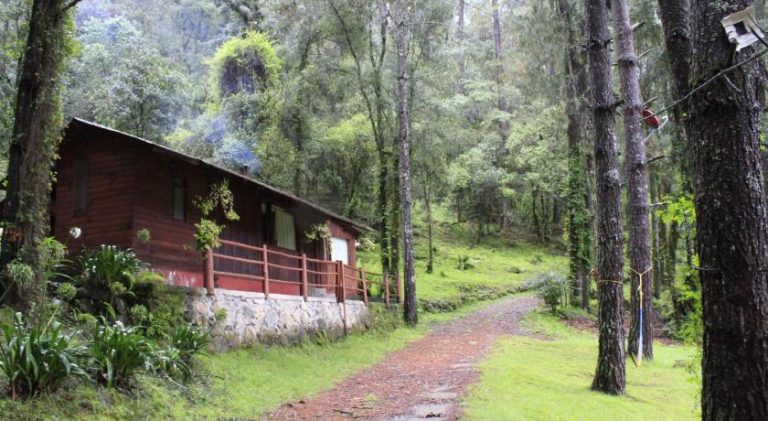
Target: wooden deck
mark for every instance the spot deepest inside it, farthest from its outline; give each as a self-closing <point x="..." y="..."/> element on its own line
<point x="270" y="270"/>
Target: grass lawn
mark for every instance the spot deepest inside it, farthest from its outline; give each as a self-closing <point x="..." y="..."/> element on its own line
<point x="240" y="384"/>
<point x="527" y="378"/>
<point x="498" y="262"/>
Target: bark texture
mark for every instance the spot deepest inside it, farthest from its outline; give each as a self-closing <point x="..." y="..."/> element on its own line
<point x="428" y="206"/>
<point x="579" y="223"/>
<point x="462" y="57"/>
<point x="504" y="220"/>
<point x="610" y="373"/>
<point x="731" y="220"/>
<point x="36" y="135"/>
<point x="637" y="185"/>
<point x="404" y="137"/>
<point x="676" y="21"/>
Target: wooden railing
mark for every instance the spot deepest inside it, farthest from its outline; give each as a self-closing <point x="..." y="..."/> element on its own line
<point x="270" y="267"/>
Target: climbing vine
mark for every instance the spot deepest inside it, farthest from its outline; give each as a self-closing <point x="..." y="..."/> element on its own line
<point x="207" y="230"/>
<point x="318" y="232"/>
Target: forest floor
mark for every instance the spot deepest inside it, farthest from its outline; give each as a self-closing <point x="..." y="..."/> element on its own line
<point x="425" y="379"/>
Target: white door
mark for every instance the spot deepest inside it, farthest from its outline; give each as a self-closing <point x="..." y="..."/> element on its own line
<point x="340" y="249"/>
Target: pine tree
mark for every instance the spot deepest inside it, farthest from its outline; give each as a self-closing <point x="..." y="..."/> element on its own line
<point x="731" y="218"/>
<point x="404" y="138"/>
<point x="638" y="205"/>
<point x="610" y="373"/>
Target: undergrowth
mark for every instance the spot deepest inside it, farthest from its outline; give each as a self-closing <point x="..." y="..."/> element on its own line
<point x="500" y="264"/>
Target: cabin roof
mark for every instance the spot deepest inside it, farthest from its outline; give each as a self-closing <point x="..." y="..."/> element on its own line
<point x="80" y="124"/>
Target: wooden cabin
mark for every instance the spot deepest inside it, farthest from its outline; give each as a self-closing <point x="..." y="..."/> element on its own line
<point x="111" y="185"/>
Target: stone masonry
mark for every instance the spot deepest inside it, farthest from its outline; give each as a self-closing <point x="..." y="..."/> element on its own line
<point x="248" y="318"/>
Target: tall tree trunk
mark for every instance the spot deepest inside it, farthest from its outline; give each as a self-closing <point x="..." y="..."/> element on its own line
<point x="395" y="215"/>
<point x="504" y="221"/>
<point x="637" y="187"/>
<point x="610" y="373"/>
<point x="496" y="23"/>
<point x="675" y="18"/>
<point x="535" y="213"/>
<point x="428" y="204"/>
<point x="36" y="135"/>
<point x="410" y="306"/>
<point x="462" y="56"/>
<point x="731" y="220"/>
<point x="382" y="210"/>
<point x="579" y="228"/>
<point x="656" y="236"/>
<point x="374" y="105"/>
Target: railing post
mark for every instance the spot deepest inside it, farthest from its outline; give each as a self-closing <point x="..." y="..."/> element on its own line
<point x="209" y="270"/>
<point x="340" y="279"/>
<point x="304" y="283"/>
<point x="399" y="289"/>
<point x="365" y="287"/>
<point x="265" y="258"/>
<point x="386" y="288"/>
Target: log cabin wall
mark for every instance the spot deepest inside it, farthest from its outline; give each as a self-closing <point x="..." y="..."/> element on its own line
<point x="128" y="185"/>
<point x="94" y="192"/>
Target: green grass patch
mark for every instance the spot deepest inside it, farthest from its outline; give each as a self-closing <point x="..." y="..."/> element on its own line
<point x="240" y="384"/>
<point x="529" y="378"/>
<point x="498" y="264"/>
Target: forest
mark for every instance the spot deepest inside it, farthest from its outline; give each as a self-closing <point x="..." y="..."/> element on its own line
<point x="606" y="158"/>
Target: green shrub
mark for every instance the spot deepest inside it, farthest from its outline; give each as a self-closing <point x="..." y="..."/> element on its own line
<point x="52" y="258"/>
<point x="34" y="359"/>
<point x="189" y="340"/>
<point x="109" y="264"/>
<point x="107" y="275"/>
<point x="20" y="273"/>
<point x="87" y="321"/>
<point x="66" y="291"/>
<point x="553" y="289"/>
<point x="465" y="263"/>
<point x="118" y="352"/>
<point x="168" y="360"/>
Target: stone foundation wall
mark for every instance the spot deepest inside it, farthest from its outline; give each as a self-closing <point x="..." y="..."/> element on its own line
<point x="283" y="319"/>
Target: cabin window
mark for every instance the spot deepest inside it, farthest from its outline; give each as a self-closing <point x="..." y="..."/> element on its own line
<point x="81" y="185"/>
<point x="179" y="199"/>
<point x="339" y="250"/>
<point x="285" y="230"/>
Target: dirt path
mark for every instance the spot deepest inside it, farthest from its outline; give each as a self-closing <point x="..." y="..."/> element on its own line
<point x="426" y="379"/>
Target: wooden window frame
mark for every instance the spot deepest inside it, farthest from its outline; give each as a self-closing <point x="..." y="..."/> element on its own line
<point x="270" y="229"/>
<point x="80" y="186"/>
<point x="179" y="182"/>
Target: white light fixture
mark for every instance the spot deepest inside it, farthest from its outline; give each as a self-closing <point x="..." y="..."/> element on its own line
<point x="75" y="232"/>
<point x="741" y="28"/>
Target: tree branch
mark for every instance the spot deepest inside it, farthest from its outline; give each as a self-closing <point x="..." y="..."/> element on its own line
<point x="69" y="5"/>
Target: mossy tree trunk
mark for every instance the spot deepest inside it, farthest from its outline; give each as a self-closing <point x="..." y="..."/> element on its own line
<point x="404" y="138"/>
<point x="579" y="227"/>
<point x="33" y="146"/>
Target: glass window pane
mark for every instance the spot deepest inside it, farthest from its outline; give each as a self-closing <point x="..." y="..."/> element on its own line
<point x="285" y="232"/>
<point x="339" y="250"/>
